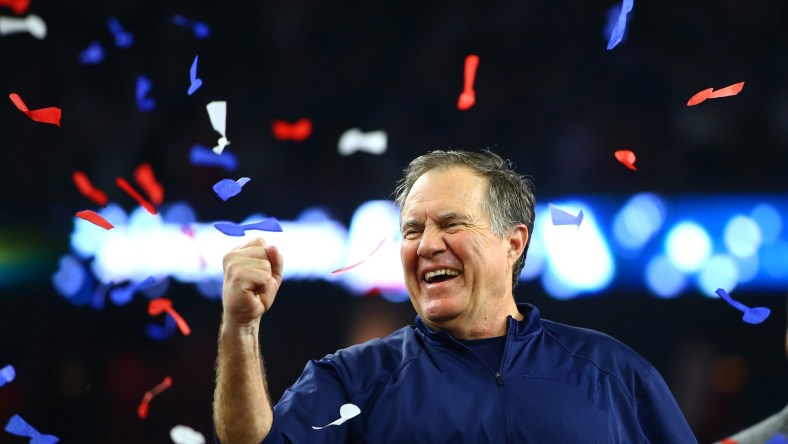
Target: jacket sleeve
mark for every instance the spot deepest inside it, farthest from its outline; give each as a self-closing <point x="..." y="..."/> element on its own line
<point x="660" y="417"/>
<point x="313" y="401"/>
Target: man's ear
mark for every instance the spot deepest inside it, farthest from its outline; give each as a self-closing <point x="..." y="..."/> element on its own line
<point x="517" y="241"/>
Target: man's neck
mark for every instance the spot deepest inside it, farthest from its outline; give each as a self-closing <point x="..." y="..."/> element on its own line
<point x="489" y="326"/>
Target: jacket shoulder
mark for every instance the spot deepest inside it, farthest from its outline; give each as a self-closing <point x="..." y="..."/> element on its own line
<point x="601" y="350"/>
<point x="364" y="365"/>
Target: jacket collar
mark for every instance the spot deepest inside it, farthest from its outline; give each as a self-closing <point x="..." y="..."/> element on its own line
<point x="531" y="323"/>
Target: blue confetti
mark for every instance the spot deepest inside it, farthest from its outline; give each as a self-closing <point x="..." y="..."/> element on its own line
<point x="230" y="229"/>
<point x="227" y="188"/>
<point x="17" y="426"/>
<point x="561" y="217"/>
<point x="161" y="333"/>
<point x="7" y="374"/>
<point x="751" y="315"/>
<point x="123" y="295"/>
<point x="92" y="55"/>
<point x="69" y="277"/>
<point x="779" y="438"/>
<point x="195" y="82"/>
<point x="144" y="86"/>
<point x="123" y="39"/>
<point x="621" y="24"/>
<point x="202" y="155"/>
<point x="200" y="29"/>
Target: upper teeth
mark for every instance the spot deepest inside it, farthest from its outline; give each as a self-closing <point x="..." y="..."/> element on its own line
<point x="443" y="271"/>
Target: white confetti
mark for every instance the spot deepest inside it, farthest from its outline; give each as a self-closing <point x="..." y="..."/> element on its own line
<point x="352" y="140"/>
<point x="182" y="434"/>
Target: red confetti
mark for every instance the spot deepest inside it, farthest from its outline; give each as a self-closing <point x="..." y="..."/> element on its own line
<point x="144" y="177"/>
<point x="142" y="410"/>
<point x="709" y="93"/>
<point x="728" y="91"/>
<point x="95" y="218"/>
<point x="88" y="190"/>
<point x="626" y="157"/>
<point x="160" y="305"/>
<point x="133" y="193"/>
<point x="298" y="131"/>
<point x="468" y="96"/>
<point x="18" y="6"/>
<point x="344" y="269"/>
<point x="44" y="115"/>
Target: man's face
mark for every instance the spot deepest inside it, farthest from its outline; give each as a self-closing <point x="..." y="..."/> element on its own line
<point x="455" y="267"/>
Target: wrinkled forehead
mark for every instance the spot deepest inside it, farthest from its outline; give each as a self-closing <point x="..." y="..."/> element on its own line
<point x="445" y="190"/>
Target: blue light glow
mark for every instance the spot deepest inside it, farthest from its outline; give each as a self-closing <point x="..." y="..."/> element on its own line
<point x="718" y="272"/>
<point x="638" y="221"/>
<point x="577" y="256"/>
<point x="769" y="221"/>
<point x="661" y="244"/>
<point x="663" y="278"/>
<point x="688" y="246"/>
<point x="742" y="236"/>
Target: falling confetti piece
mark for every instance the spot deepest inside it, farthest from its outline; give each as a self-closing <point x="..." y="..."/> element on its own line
<point x="195" y="82"/>
<point x="69" y="277"/>
<point x="352" y="140"/>
<point x="161" y="333"/>
<point x="17" y="426"/>
<point x="7" y="374"/>
<point x="161" y="305"/>
<point x="347" y="411"/>
<point x="626" y="157"/>
<point x="709" y="93"/>
<point x="123" y="39"/>
<point x="87" y="189"/>
<point x="200" y="29"/>
<point x="133" y="193"/>
<point x="92" y="55"/>
<point x="95" y="218"/>
<point x="123" y="295"/>
<point x="621" y="24"/>
<point x="182" y="434"/>
<point x="468" y="96"/>
<point x="144" y="86"/>
<point x="298" y="131"/>
<point x="227" y="188"/>
<point x="751" y="315"/>
<point x="145" y="178"/>
<point x="202" y="155"/>
<point x="350" y="267"/>
<point x="18" y="6"/>
<point x="31" y="24"/>
<point x="142" y="410"/>
<point x="43" y="115"/>
<point x="561" y="217"/>
<point x="779" y="438"/>
<point x="230" y="229"/>
<point x="217" y="113"/>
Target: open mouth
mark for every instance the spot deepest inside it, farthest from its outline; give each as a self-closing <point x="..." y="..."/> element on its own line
<point x="440" y="275"/>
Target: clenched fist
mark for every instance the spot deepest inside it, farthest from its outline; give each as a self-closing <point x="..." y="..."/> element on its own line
<point x="252" y="276"/>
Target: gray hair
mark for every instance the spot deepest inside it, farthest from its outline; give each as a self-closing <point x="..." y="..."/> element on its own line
<point x="509" y="201"/>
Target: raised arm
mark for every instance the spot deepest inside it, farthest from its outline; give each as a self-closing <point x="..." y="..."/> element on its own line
<point x="242" y="406"/>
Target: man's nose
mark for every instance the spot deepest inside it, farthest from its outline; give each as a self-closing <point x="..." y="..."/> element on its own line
<point x="431" y="243"/>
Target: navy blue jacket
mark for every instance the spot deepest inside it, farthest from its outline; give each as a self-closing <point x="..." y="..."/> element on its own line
<point x="556" y="384"/>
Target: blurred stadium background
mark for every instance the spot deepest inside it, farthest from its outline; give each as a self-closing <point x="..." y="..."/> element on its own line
<point x="705" y="209"/>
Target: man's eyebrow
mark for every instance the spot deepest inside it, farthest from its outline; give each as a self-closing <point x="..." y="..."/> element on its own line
<point x="452" y="215"/>
<point x="409" y="223"/>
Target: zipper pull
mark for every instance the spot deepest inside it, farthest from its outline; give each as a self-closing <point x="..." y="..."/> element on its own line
<point x="499" y="378"/>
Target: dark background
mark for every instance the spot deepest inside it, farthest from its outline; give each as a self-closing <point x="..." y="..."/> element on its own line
<point x="549" y="97"/>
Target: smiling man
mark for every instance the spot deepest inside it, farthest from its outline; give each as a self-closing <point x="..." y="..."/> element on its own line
<point x="476" y="367"/>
